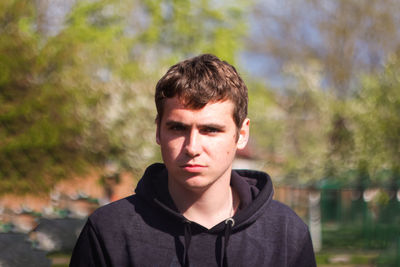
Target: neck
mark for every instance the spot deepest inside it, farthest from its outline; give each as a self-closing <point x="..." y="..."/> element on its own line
<point x="206" y="207"/>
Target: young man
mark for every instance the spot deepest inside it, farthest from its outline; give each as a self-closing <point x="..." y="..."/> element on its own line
<point x="194" y="210"/>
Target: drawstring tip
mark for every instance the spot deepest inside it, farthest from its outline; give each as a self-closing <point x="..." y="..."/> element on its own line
<point x="231" y="221"/>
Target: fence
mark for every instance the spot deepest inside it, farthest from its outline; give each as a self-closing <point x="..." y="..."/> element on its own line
<point x="350" y="218"/>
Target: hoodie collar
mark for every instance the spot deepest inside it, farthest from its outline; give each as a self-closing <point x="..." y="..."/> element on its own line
<point x="254" y="189"/>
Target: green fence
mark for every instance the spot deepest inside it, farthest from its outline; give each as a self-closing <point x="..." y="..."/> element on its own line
<point x="362" y="219"/>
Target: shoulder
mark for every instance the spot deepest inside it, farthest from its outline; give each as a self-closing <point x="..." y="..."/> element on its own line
<point x="282" y="210"/>
<point x="116" y="212"/>
<point x="283" y="219"/>
<point x="289" y="226"/>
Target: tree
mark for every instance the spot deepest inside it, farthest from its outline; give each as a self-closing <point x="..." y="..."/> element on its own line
<point x="315" y="53"/>
<point x="347" y="37"/>
<point x="82" y="95"/>
<point x="378" y="120"/>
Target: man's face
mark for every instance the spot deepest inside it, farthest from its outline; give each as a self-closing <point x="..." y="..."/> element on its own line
<point x="198" y="146"/>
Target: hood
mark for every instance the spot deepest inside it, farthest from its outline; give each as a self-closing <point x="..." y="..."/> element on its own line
<point x="254" y="188"/>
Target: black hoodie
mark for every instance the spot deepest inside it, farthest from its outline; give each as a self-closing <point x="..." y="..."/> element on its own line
<point x="146" y="229"/>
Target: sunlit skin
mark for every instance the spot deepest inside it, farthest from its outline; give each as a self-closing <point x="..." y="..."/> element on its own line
<point x="198" y="148"/>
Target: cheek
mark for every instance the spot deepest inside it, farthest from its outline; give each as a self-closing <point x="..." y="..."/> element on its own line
<point x="171" y="147"/>
<point x="169" y="155"/>
<point x="224" y="149"/>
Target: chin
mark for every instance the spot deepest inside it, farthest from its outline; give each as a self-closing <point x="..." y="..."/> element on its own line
<point x="196" y="183"/>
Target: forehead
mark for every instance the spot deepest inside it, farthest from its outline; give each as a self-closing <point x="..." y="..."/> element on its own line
<point x="214" y="111"/>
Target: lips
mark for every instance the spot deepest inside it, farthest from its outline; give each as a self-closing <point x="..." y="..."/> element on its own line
<point x="193" y="167"/>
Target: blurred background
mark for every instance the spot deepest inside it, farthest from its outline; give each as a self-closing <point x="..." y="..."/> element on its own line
<point x="77" y="113"/>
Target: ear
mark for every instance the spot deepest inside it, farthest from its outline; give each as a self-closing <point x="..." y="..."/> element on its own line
<point x="244" y="133"/>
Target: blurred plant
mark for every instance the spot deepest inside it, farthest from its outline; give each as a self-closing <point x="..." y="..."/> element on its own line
<point x="81" y="96"/>
<point x="347" y="37"/>
<point x="331" y="78"/>
<point x="293" y="126"/>
<point x="310" y="133"/>
<point x="377" y="109"/>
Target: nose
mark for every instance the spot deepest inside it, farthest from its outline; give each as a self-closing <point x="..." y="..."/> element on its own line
<point x="193" y="146"/>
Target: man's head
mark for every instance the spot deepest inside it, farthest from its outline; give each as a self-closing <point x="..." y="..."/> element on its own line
<point x="201" y="80"/>
<point x="201" y="121"/>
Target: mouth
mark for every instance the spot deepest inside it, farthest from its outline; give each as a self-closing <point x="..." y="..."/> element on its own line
<point x="193" y="167"/>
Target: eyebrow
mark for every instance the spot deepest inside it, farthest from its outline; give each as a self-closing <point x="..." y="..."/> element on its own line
<point x="175" y="123"/>
<point x="205" y="125"/>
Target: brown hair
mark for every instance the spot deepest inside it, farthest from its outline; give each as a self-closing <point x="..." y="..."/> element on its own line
<point x="200" y="80"/>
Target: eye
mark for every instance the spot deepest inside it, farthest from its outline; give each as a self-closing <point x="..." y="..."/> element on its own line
<point x="211" y="130"/>
<point x="177" y="128"/>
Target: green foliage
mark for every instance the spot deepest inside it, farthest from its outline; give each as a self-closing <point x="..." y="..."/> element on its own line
<point x="266" y="126"/>
<point x="292" y="127"/>
<point x="354" y="257"/>
<point x="83" y="96"/>
<point x="378" y="118"/>
<point x="186" y="28"/>
<point x="338" y="100"/>
<point x="318" y="135"/>
<point x="391" y="256"/>
<point x="357" y="236"/>
<point x="36" y="121"/>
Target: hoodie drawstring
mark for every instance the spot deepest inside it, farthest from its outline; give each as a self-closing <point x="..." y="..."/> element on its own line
<point x="229" y="223"/>
<point x="188" y="238"/>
